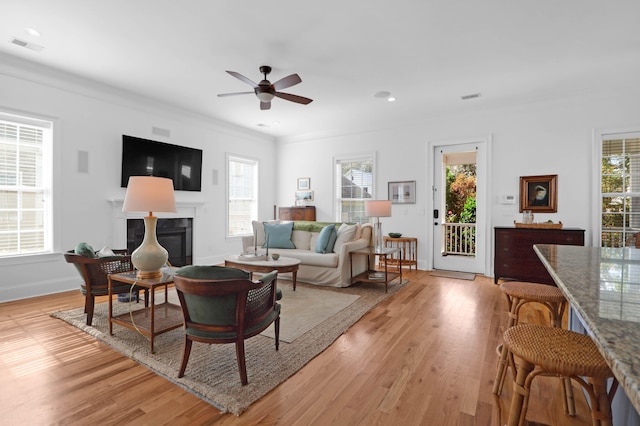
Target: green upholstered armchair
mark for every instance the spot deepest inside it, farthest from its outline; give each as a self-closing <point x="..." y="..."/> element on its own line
<point x="222" y="305"/>
<point x="95" y="271"/>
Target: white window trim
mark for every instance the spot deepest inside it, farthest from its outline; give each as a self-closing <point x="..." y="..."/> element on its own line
<point x="596" y="178"/>
<point x="229" y="157"/>
<point x="56" y="156"/>
<point x="353" y="157"/>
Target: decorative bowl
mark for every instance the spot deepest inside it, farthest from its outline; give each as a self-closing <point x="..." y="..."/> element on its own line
<point x="275" y="256"/>
<point x="395" y="234"/>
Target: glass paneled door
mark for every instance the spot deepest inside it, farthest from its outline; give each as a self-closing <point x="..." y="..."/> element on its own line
<point x="459" y="211"/>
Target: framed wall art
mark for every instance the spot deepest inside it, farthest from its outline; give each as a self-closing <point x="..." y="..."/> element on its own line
<point x="304" y="184"/>
<point x="539" y="193"/>
<point x="303" y="197"/>
<point x="403" y="192"/>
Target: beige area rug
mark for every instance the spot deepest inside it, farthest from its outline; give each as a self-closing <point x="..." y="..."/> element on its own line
<point x="212" y="372"/>
<point x="453" y="274"/>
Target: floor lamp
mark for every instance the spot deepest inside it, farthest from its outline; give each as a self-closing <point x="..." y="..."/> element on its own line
<point x="149" y="194"/>
<point x="377" y="209"/>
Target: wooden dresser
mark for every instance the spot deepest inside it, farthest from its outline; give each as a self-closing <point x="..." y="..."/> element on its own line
<point x="514" y="256"/>
<point x="297" y="213"/>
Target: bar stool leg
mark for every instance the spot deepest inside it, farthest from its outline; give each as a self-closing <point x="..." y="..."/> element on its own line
<point x="513" y="304"/>
<point x="600" y="402"/>
<point x="520" y="398"/>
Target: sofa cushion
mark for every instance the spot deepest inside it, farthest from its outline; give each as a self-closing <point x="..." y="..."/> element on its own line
<point x="326" y="239"/>
<point x="84" y="249"/>
<point x="301" y="239"/>
<point x="278" y="235"/>
<point x="311" y="258"/>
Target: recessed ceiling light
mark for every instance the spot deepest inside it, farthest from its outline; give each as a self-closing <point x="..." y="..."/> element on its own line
<point x="32" y="32"/>
<point x="262" y="125"/>
<point x="276" y="123"/>
<point x="391" y="99"/>
<point x="383" y="94"/>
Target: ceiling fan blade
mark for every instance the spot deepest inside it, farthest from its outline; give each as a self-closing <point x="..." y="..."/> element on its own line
<point x="234" y="94"/>
<point x="294" y="98"/>
<point x="242" y="78"/>
<point x="265" y="105"/>
<point x="288" y="81"/>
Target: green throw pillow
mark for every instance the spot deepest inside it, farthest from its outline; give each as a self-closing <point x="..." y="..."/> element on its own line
<point x="84" y="249"/>
<point x="278" y="235"/>
<point x="326" y="239"/>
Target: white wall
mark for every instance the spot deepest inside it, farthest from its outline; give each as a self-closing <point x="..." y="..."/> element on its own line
<point x="554" y="137"/>
<point x="93" y="118"/>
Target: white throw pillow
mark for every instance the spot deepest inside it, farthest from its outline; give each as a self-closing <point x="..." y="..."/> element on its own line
<point x="105" y="252"/>
<point x="346" y="233"/>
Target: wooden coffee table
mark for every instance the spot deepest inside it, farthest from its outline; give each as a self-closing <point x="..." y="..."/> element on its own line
<point x="282" y="265"/>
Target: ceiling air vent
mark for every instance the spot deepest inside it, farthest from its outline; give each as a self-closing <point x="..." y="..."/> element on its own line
<point x="471" y="96"/>
<point x="28" y="45"/>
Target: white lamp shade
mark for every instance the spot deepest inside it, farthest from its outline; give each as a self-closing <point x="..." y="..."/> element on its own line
<point x="149" y="194"/>
<point x="377" y="208"/>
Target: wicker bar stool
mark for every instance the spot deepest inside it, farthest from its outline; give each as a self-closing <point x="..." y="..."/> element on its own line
<point x="556" y="351"/>
<point x="519" y="293"/>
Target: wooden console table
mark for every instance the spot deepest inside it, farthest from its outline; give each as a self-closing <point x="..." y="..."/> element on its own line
<point x="297" y="213"/>
<point x="408" y="254"/>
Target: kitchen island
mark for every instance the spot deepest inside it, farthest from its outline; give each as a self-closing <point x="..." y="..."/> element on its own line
<point x="602" y="286"/>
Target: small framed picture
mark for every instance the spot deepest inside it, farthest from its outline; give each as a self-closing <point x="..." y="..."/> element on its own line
<point x="402" y="192"/>
<point x="304" y="196"/>
<point x="539" y="193"/>
<point x="304" y="184"/>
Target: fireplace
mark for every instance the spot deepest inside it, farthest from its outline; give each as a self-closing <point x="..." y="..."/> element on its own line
<point x="175" y="235"/>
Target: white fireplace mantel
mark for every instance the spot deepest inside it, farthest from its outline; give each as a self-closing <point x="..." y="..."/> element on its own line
<point x="185" y="209"/>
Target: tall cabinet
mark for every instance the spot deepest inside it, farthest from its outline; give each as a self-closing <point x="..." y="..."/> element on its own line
<point x="514" y="256"/>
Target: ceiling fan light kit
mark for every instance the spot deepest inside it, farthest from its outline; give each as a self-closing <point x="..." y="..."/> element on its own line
<point x="265" y="91"/>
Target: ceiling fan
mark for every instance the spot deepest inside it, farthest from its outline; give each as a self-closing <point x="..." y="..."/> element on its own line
<point x="265" y="91"/>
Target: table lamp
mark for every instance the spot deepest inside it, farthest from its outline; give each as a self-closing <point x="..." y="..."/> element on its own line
<point x="377" y="209"/>
<point x="149" y="194"/>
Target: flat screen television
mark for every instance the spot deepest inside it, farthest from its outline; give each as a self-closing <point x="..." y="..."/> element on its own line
<point x="143" y="157"/>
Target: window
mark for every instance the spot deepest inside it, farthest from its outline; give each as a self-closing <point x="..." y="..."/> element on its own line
<point x="354" y="179"/>
<point x="25" y="185"/>
<point x="242" y="195"/>
<point x="620" y="190"/>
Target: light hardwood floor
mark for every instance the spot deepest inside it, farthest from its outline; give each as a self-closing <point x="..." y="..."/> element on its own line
<point x="425" y="356"/>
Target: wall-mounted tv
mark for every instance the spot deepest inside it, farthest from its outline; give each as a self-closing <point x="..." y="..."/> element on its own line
<point x="143" y="157"/>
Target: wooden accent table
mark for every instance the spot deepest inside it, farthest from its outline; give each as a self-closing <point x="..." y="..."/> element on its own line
<point x="152" y="320"/>
<point x="408" y="255"/>
<point x="297" y="213"/>
<point x="373" y="276"/>
<point x="282" y="265"/>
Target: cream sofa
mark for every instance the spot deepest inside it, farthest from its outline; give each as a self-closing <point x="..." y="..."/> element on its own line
<point x="329" y="269"/>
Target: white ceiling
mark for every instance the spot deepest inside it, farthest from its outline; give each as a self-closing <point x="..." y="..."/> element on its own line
<point x="427" y="53"/>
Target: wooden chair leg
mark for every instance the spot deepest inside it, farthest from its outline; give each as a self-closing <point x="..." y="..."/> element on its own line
<point x="185" y="355"/>
<point x="242" y="365"/>
<point x="277" y="332"/>
<point x="89" y="305"/>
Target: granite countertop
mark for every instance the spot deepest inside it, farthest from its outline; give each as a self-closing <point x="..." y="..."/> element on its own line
<point x="603" y="286"/>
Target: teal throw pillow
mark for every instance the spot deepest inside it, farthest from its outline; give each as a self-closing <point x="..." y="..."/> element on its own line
<point x="278" y="235"/>
<point x="326" y="239"/>
<point x="84" y="249"/>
